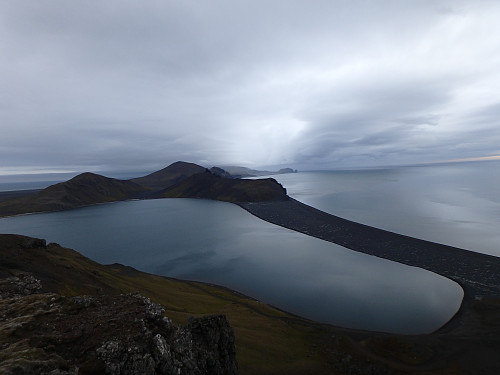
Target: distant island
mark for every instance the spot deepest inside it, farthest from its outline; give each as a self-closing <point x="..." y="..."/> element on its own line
<point x="239" y="172"/>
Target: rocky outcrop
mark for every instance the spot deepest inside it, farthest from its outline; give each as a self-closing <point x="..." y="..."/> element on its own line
<point x="121" y="334"/>
<point x="18" y="286"/>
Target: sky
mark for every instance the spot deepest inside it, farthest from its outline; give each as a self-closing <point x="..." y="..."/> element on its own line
<point x="136" y="85"/>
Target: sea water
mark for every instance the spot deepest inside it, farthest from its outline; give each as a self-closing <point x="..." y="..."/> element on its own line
<point x="456" y="204"/>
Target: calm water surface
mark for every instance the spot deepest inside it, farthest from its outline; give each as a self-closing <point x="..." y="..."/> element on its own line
<point x="455" y="204"/>
<point x="221" y="243"/>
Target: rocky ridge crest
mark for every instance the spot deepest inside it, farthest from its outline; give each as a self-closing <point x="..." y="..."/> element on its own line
<point x="122" y="334"/>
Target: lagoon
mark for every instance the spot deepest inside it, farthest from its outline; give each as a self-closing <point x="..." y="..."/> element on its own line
<point x="220" y="243"/>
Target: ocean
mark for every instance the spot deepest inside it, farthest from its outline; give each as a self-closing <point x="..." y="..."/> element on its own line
<point x="456" y="204"/>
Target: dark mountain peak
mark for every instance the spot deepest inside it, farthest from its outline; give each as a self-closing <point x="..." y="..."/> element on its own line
<point x="169" y="175"/>
<point x="178" y="167"/>
<point x="87" y="175"/>
<point x="82" y="190"/>
<point x="87" y="178"/>
<point x="183" y="164"/>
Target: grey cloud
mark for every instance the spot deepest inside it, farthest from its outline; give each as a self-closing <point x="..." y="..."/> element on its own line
<point x="138" y="85"/>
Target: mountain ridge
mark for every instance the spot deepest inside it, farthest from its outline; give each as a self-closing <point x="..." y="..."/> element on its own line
<point x="169" y="175"/>
<point x="209" y="186"/>
<point x="82" y="190"/>
<point x="90" y="188"/>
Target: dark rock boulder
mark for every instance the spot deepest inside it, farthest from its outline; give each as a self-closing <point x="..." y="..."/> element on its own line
<point x="121" y="334"/>
<point x="18" y="286"/>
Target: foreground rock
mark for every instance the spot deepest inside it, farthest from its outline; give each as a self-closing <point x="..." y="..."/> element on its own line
<point x="122" y="334"/>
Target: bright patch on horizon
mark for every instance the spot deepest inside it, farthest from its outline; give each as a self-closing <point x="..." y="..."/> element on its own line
<point x="14" y="171"/>
<point x="480" y="158"/>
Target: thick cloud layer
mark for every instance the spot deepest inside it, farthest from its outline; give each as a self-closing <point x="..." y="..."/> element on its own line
<point x="131" y="85"/>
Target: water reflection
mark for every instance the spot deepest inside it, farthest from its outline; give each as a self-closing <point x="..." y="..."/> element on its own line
<point x="223" y="244"/>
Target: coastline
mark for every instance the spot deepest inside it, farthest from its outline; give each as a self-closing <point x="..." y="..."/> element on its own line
<point x="478" y="274"/>
<point x="467" y="343"/>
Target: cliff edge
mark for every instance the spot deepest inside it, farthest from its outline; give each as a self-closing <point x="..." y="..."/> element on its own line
<point x="106" y="334"/>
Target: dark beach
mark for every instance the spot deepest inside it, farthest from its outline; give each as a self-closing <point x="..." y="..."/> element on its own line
<point x="478" y="274"/>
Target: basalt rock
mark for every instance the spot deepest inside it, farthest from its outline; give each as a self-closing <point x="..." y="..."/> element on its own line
<point x="121" y="334"/>
<point x="18" y="286"/>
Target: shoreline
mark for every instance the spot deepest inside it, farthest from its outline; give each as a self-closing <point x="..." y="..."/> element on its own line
<point x="478" y="274"/>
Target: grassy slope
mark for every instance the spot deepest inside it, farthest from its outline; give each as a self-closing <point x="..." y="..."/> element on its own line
<point x="82" y="190"/>
<point x="209" y="186"/>
<point x="266" y="341"/>
<point x="179" y="179"/>
<point x="169" y="176"/>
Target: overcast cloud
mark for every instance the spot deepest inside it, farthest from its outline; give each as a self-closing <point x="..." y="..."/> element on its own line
<point x="136" y="85"/>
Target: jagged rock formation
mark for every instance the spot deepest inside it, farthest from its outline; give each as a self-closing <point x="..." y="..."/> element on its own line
<point x="82" y="190"/>
<point x="18" y="286"/>
<point x="169" y="176"/>
<point x="117" y="335"/>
